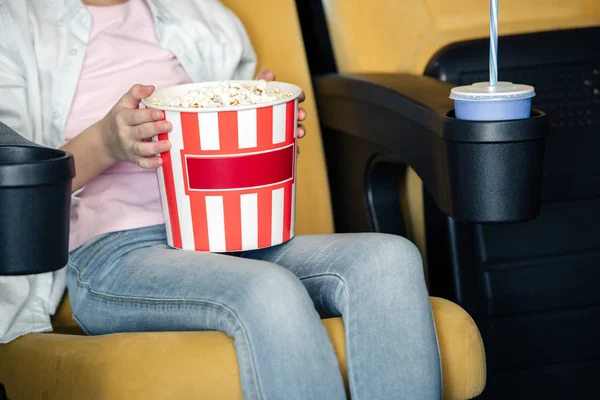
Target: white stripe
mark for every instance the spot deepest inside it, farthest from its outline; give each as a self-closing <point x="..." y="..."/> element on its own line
<point x="160" y="174"/>
<point x="237" y="189"/>
<point x="209" y="131"/>
<point x="215" y="218"/>
<point x="277" y="217"/>
<point x="250" y="153"/>
<point x="249" y="206"/>
<point x="247" y="129"/>
<point x="293" y="224"/>
<point x="165" y="206"/>
<point x="183" y="201"/>
<point x="279" y="123"/>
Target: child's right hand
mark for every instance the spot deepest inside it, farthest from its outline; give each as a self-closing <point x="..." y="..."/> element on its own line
<point x="128" y="130"/>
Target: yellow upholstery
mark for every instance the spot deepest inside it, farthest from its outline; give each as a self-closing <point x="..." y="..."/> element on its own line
<point x="175" y="365"/>
<point x="402" y="36"/>
<point x="190" y="365"/>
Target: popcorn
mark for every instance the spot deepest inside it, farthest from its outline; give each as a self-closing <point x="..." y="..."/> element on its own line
<point x="226" y="94"/>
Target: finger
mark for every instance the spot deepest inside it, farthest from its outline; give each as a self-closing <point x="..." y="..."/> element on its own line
<point x="302" y="97"/>
<point x="297" y="151"/>
<point x="301" y="114"/>
<point x="147" y="149"/>
<point x="266" y="74"/>
<point x="301" y="131"/>
<point x="132" y="98"/>
<point x="138" y="117"/>
<point x="150" y="129"/>
<point x="149" y="162"/>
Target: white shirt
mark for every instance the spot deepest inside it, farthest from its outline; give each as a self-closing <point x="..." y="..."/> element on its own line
<point x="41" y="56"/>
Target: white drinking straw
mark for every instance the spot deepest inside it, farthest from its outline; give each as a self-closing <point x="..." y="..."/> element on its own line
<point x="493" y="42"/>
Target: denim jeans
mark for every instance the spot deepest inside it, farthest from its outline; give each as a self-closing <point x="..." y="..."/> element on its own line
<point x="271" y="302"/>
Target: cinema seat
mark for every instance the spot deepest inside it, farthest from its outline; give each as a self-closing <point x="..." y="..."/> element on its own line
<point x="189" y="365"/>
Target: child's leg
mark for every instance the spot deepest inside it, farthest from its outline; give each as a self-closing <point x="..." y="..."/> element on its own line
<point x="131" y="281"/>
<point x="376" y="283"/>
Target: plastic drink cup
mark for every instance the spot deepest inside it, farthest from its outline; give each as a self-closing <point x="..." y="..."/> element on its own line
<point x="228" y="183"/>
<point x="484" y="102"/>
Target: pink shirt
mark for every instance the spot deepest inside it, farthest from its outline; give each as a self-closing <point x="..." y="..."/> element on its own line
<point x="123" y="50"/>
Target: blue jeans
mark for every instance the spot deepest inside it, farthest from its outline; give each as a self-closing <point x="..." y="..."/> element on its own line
<point x="271" y="303"/>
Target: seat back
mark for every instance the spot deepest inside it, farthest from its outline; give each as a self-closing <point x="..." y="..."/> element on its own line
<point x="533" y="287"/>
<point x="402" y="35"/>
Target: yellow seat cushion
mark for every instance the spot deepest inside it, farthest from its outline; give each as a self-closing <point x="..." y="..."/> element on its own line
<point x="190" y="365"/>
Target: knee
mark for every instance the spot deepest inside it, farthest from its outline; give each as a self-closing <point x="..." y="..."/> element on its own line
<point x="386" y="258"/>
<point x="275" y="297"/>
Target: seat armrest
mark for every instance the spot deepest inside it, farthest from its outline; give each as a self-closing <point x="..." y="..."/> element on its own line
<point x="482" y="172"/>
<point x="9" y="137"/>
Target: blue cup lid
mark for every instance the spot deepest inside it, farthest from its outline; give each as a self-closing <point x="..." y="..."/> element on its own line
<point x="483" y="91"/>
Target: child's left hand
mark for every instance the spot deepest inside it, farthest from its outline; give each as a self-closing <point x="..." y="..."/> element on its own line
<point x="269" y="76"/>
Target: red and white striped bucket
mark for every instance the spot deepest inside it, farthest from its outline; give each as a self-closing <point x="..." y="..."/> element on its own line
<point x="228" y="182"/>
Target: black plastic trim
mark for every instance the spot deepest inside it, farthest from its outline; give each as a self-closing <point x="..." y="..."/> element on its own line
<point x="484" y="172"/>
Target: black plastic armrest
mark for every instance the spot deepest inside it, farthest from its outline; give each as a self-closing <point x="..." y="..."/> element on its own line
<point x="476" y="171"/>
<point x="8" y="137"/>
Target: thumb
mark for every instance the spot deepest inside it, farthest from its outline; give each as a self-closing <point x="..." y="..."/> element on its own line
<point x="266" y="74"/>
<point x="132" y="98"/>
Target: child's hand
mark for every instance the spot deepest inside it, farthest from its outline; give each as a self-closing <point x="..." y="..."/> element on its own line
<point x="269" y="76"/>
<point x="128" y="130"/>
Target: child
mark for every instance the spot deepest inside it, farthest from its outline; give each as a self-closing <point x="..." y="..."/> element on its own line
<point x="62" y="77"/>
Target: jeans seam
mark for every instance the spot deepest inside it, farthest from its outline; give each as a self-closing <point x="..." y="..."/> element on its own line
<point x="177" y="302"/>
<point x="437" y="342"/>
<point x="346" y="319"/>
<point x="81" y="325"/>
<point x="95" y="252"/>
<point x="324" y="274"/>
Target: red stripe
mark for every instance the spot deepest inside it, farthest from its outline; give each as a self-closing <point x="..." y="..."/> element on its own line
<point x="170" y="194"/>
<point x="190" y="127"/>
<point x="191" y="141"/>
<point x="233" y="221"/>
<point x="264" y="131"/>
<point x="191" y="132"/>
<point x="295" y="159"/>
<point x="244" y="171"/>
<point x="198" y="206"/>
<point x="290" y="124"/>
<point x="228" y="131"/>
<point x="287" y="211"/>
<point x="265" y="201"/>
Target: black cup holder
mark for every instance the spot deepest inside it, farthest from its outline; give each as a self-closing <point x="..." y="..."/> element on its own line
<point x="17" y="155"/>
<point x="475" y="171"/>
<point x="492" y="170"/>
<point x="23" y="166"/>
<point x="35" y="200"/>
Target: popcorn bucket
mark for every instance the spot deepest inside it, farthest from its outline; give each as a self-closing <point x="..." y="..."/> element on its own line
<point x="228" y="182"/>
